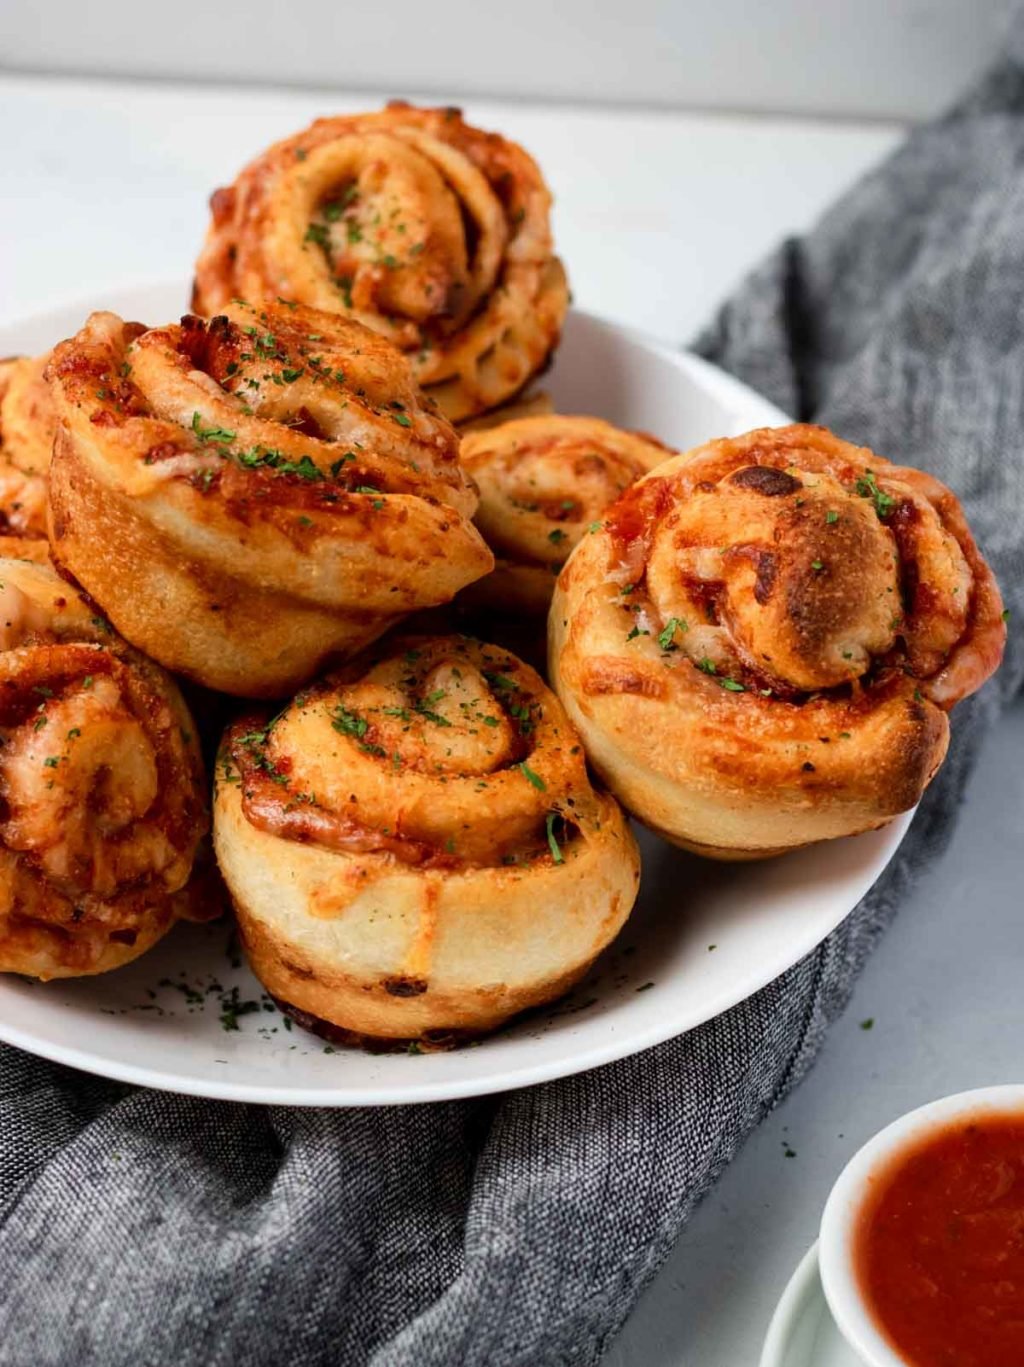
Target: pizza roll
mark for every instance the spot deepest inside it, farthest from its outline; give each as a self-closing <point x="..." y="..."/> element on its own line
<point x="250" y="496"/>
<point x="104" y="803"/>
<point x="762" y="645"/>
<point x="544" y="484"/>
<point x="414" y="848"/>
<point x="429" y="231"/>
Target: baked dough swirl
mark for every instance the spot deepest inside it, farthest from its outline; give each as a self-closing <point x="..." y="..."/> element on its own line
<point x="27" y="424"/>
<point x="544" y="484"/>
<point x="102" y="797"/>
<point x="249" y="496"/>
<point x="762" y="647"/>
<point x="433" y="233"/>
<point x="414" y="848"/>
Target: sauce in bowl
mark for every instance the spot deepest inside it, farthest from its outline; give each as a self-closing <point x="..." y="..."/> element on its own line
<point x="938" y="1246"/>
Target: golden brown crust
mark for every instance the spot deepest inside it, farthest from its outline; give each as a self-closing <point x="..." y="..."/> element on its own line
<point x="545" y="482"/>
<point x="414" y="846"/>
<point x="761" y="647"/>
<point x="251" y="496"/>
<point x="27" y="423"/>
<point x="34" y="548"/>
<point x="102" y="803"/>
<point x="433" y="233"/>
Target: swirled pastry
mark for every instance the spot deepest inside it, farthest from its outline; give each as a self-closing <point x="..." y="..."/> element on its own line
<point x="544" y="483"/>
<point x="414" y="848"/>
<point x="762" y="646"/>
<point x="431" y="232"/>
<point x="250" y="496"/>
<point x="27" y="424"/>
<point x="103" y="802"/>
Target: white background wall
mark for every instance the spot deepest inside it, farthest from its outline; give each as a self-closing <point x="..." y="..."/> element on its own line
<point x="882" y="58"/>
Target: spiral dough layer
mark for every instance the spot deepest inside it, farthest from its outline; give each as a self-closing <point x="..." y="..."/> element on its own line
<point x="762" y="646"/>
<point x="431" y="232"/>
<point x="414" y="848"/>
<point x="27" y="424"/>
<point x="251" y="496"/>
<point x="545" y="483"/>
<point x="102" y="801"/>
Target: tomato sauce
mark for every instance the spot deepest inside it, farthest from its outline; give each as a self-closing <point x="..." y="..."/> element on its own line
<point x="939" y="1248"/>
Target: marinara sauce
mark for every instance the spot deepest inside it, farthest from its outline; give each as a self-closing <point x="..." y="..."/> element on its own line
<point x="939" y="1247"/>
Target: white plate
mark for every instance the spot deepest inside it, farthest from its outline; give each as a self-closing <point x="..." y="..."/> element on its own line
<point x="802" y="1332"/>
<point x="703" y="937"/>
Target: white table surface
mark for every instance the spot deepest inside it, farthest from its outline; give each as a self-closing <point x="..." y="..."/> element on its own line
<point x="657" y="215"/>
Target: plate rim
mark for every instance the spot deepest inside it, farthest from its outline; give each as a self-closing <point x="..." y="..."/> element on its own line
<point x="613" y="1049"/>
<point x="790" y="1304"/>
<point x="615" y="1046"/>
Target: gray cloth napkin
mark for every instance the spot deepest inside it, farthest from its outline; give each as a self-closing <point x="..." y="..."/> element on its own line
<point x="139" y="1228"/>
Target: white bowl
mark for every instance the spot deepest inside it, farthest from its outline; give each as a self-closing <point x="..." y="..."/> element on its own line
<point x="854" y="1187"/>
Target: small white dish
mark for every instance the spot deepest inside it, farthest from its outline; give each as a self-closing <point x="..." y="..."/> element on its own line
<point x="846" y="1201"/>
<point x="802" y="1332"/>
<point x="704" y="936"/>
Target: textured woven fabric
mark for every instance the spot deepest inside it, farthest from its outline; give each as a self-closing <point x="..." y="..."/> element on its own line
<point x="139" y="1228"/>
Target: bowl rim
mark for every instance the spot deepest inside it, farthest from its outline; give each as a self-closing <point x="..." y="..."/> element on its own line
<point x="839" y="1280"/>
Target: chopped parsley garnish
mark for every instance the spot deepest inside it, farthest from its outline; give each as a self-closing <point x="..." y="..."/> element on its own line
<point x="232" y="1007"/>
<point x="831" y="516"/>
<point x="220" y="435"/>
<point x="531" y="777"/>
<point x="556" y="536"/>
<point x="665" y="637"/>
<point x="424" y="711"/>
<point x="733" y="685"/>
<point x="817" y="564"/>
<point x="267" y="458"/>
<point x="402" y="419"/>
<point x="556" y="853"/>
<point x="349" y="723"/>
<point x="637" y="631"/>
<point x="867" y="487"/>
<point x="317" y="232"/>
<point x="707" y="666"/>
